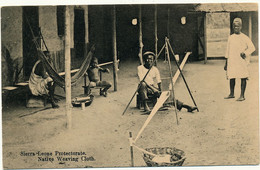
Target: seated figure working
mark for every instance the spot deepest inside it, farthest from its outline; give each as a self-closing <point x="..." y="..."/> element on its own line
<point x="93" y="75"/>
<point x="149" y="87"/>
<point x="40" y="83"/>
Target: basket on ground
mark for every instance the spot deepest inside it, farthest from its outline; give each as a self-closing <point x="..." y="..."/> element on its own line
<point x="176" y="157"/>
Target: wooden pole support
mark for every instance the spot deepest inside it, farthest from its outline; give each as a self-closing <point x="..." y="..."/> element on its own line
<point x="140" y="36"/>
<point x="250" y="26"/>
<point x="67" y="68"/>
<point x="205" y="39"/>
<point x="115" y="63"/>
<point x="170" y="69"/>
<point x="182" y="75"/>
<point x="131" y="149"/>
<point x="155" y="32"/>
<point x="83" y="105"/>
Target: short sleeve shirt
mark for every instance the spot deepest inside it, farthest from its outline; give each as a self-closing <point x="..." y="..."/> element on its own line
<point x="152" y="77"/>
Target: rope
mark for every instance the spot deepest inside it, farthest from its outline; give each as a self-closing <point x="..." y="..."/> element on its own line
<point x="170" y="68"/>
<point x="43" y="41"/>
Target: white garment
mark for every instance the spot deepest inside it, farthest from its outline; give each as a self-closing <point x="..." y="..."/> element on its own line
<point x="236" y="65"/>
<point x="152" y="77"/>
<point x="37" y="84"/>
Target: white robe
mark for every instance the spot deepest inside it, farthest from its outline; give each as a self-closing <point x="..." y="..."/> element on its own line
<point x="37" y="84"/>
<point x="236" y="65"/>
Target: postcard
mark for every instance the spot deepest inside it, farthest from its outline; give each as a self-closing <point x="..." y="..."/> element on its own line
<point x="126" y="85"/>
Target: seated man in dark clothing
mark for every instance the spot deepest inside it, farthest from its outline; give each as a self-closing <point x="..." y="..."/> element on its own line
<point x="93" y="75"/>
<point x="40" y="83"/>
<point x="152" y="83"/>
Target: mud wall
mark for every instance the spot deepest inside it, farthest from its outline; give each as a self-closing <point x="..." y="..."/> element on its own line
<point x="48" y="25"/>
<point x="12" y="51"/>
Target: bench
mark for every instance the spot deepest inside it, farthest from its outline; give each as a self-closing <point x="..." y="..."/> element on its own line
<point x="23" y="88"/>
<point x="85" y="86"/>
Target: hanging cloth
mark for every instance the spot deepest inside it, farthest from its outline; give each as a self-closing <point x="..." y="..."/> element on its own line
<point x="59" y="80"/>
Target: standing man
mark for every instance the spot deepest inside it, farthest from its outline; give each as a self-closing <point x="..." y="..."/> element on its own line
<point x="239" y="49"/>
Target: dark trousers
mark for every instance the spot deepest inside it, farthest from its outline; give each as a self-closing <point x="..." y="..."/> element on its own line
<point x="179" y="104"/>
<point x="145" y="90"/>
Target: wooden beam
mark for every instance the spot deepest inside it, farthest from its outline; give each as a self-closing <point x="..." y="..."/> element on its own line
<point x="115" y="63"/>
<point x="205" y="38"/>
<point x="250" y="26"/>
<point x="86" y="25"/>
<point x="140" y="35"/>
<point x="172" y="83"/>
<point x="155" y="31"/>
<point x="131" y="149"/>
<point x="67" y="68"/>
<point x="176" y="75"/>
<point x="168" y="23"/>
<point x="75" y="70"/>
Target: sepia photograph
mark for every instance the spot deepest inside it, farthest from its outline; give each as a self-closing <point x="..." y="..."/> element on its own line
<point x="130" y="85"/>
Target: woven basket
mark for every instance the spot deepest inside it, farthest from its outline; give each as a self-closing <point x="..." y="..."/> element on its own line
<point x="177" y="156"/>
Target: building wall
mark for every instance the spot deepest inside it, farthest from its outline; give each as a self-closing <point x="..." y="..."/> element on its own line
<point x="12" y="30"/>
<point x="48" y="25"/>
<point x="55" y="43"/>
<point x="255" y="32"/>
<point x="245" y="25"/>
<point x="100" y="32"/>
<point x="183" y="37"/>
<point x="127" y="34"/>
<point x="11" y="39"/>
<point x="217" y="32"/>
<point x="49" y="29"/>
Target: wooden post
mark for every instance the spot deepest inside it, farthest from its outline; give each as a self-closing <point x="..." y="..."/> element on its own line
<point x="67" y="68"/>
<point x="250" y="26"/>
<point x="205" y="38"/>
<point x="155" y="32"/>
<point x="115" y="63"/>
<point x="86" y="31"/>
<point x="140" y="35"/>
<point x="182" y="75"/>
<point x="86" y="25"/>
<point x="170" y="70"/>
<point x="168" y="23"/>
<point x="131" y="149"/>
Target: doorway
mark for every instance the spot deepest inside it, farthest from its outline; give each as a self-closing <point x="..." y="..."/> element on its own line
<point x="79" y="33"/>
<point x="127" y="32"/>
<point x="30" y="26"/>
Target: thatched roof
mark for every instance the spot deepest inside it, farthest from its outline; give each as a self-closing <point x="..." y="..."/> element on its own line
<point x="227" y="7"/>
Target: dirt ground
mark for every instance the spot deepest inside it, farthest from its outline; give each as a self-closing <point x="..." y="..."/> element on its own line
<point x="223" y="132"/>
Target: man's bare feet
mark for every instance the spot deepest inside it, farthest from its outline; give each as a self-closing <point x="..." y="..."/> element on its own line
<point x="229" y="97"/>
<point x="241" y="99"/>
